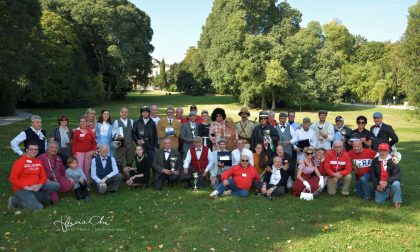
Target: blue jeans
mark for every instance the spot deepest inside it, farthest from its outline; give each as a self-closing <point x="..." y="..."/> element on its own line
<point x="380" y="197"/>
<point x="35" y="200"/>
<point x="363" y="189"/>
<point x="236" y="191"/>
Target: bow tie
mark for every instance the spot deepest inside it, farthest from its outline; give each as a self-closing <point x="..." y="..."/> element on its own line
<point x="376" y="126"/>
<point x="103" y="159"/>
<point x="167" y="151"/>
<point x="283" y="127"/>
<point x="197" y="149"/>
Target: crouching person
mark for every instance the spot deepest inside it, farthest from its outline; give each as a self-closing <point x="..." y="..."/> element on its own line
<point x="29" y="182"/>
<point x="275" y="181"/>
<point x="385" y="176"/>
<point x="104" y="172"/>
<point x="238" y="179"/>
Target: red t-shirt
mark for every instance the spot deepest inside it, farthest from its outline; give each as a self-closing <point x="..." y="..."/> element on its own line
<point x="362" y="160"/>
<point x="384" y="173"/>
<point x="243" y="177"/>
<point x="27" y="172"/>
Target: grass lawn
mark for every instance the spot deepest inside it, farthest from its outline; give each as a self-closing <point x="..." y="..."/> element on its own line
<point x="180" y="220"/>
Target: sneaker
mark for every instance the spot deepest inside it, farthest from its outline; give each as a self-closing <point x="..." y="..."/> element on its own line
<point x="227" y="193"/>
<point x="345" y="193"/>
<point x="10" y="203"/>
<point x="214" y="194"/>
<point x="289" y="183"/>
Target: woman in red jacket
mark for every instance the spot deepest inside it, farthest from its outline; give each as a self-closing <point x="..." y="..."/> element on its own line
<point x="83" y="146"/>
<point x="238" y="179"/>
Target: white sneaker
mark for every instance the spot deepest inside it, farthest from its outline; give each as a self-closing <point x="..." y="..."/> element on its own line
<point x="10" y="203"/>
<point x="227" y="193"/>
<point x="214" y="194"/>
<point x="289" y="183"/>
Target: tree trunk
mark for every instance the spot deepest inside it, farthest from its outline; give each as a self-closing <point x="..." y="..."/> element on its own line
<point x="273" y="99"/>
<point x="263" y="102"/>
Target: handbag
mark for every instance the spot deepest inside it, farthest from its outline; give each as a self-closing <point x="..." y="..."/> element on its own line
<point x="306" y="195"/>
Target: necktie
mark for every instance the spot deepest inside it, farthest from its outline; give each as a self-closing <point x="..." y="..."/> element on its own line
<point x="170" y="121"/>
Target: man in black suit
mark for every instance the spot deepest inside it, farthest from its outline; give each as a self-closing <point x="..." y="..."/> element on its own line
<point x="258" y="133"/>
<point x="144" y="133"/>
<point x="382" y="132"/>
<point x="162" y="165"/>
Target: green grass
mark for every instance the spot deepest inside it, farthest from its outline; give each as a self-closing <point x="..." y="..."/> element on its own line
<point x="180" y="220"/>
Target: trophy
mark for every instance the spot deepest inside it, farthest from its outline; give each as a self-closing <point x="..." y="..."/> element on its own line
<point x="192" y="130"/>
<point x="141" y="133"/>
<point x="195" y="175"/>
<point x="173" y="162"/>
<point x="267" y="138"/>
<point x="343" y="134"/>
<point x="320" y="128"/>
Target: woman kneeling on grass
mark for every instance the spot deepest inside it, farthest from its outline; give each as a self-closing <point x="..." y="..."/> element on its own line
<point x="238" y="179"/>
<point x="139" y="175"/>
<point x="308" y="177"/>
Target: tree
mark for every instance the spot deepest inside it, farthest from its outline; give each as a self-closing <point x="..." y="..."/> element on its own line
<point x="162" y="76"/>
<point x="410" y="56"/>
<point x="19" y="21"/>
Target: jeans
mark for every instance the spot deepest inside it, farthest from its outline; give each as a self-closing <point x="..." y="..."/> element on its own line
<point x="363" y="189"/>
<point x="35" y="200"/>
<point x="236" y="191"/>
<point x="380" y="197"/>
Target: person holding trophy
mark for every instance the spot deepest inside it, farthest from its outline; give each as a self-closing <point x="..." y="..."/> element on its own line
<point x="144" y="133"/>
<point x="342" y="132"/>
<point x="324" y="131"/>
<point x="169" y="127"/>
<point x="167" y="164"/>
<point x="139" y="174"/>
<point x="222" y="162"/>
<point x="122" y="131"/>
<point x="264" y="133"/>
<point x="204" y="129"/>
<point x="197" y="163"/>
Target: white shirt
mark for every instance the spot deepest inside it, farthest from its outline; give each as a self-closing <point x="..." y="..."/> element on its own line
<point x="156" y="119"/>
<point x="110" y="175"/>
<point x="187" y="160"/>
<point x="104" y="128"/>
<point x="14" y="144"/>
<point x="167" y="153"/>
<point x="375" y="130"/>
<point x="115" y="127"/>
<point x="236" y="156"/>
<point x="300" y="135"/>
<point x="275" y="176"/>
<point x="146" y="120"/>
<point x="324" y="142"/>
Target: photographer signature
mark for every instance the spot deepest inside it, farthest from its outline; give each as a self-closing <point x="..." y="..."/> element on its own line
<point x="66" y="222"/>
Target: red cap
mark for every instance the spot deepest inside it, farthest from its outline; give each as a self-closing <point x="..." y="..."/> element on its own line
<point x="383" y="146"/>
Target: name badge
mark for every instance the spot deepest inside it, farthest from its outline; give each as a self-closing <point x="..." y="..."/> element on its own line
<point x="169" y="131"/>
<point x="82" y="135"/>
<point x="243" y="174"/>
<point x="29" y="161"/>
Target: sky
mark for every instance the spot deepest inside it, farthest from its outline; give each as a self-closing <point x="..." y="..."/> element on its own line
<point x="177" y="24"/>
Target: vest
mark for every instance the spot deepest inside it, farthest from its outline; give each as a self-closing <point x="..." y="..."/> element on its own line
<point x="31" y="136"/>
<point x="126" y="130"/>
<point x="199" y="164"/>
<point x="101" y="172"/>
<point x="285" y="136"/>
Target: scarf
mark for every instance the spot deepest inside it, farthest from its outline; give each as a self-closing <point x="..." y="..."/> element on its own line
<point x="64" y="137"/>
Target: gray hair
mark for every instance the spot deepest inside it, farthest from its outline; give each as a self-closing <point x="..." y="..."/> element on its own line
<point x="337" y="142"/>
<point x="35" y="118"/>
<point x="276" y="158"/>
<point x="154" y="107"/>
<point x="179" y="108"/>
<point x="271" y="112"/>
<point x="53" y="142"/>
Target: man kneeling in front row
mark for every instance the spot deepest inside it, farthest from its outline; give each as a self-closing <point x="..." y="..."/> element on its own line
<point x="238" y="179"/>
<point x="29" y="181"/>
<point x="104" y="172"/>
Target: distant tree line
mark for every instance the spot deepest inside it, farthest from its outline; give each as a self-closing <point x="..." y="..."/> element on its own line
<point x="70" y="53"/>
<point x="258" y="51"/>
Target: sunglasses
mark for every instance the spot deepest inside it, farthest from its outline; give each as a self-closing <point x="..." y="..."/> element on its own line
<point x="376" y="117"/>
<point x="309" y="153"/>
<point x="245" y="160"/>
<point x="263" y="118"/>
<point x="361" y="123"/>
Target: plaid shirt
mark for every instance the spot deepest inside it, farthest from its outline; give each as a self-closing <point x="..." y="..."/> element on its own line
<point x="218" y="129"/>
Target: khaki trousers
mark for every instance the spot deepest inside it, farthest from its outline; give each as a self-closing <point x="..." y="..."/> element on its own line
<point x="332" y="185"/>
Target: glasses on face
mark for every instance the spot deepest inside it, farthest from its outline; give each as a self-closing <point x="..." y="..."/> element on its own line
<point x="32" y="149"/>
<point x="309" y="153"/>
<point x="264" y="118"/>
<point x="219" y="115"/>
<point x="376" y="118"/>
<point x="361" y="123"/>
<point x="245" y="160"/>
<point x="338" y="147"/>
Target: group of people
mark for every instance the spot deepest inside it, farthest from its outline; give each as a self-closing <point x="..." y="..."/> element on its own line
<point x="268" y="157"/>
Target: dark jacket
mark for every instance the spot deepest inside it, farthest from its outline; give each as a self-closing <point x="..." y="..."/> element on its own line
<point x="392" y="169"/>
<point x="258" y="135"/>
<point x="150" y="133"/>
<point x="283" y="180"/>
<point x="159" y="162"/>
<point x="385" y="133"/>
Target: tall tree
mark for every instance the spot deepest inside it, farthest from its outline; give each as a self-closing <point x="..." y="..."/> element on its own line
<point x="19" y="20"/>
<point x="163" y="82"/>
<point x="411" y="56"/>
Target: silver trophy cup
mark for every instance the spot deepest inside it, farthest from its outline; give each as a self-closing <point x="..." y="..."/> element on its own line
<point x="173" y="160"/>
<point x="195" y="175"/>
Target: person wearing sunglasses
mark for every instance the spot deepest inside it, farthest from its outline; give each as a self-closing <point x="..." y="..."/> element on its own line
<point x="361" y="133"/>
<point x="382" y="132"/>
<point x="259" y="131"/>
<point x="308" y="177"/>
<point x="238" y="180"/>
